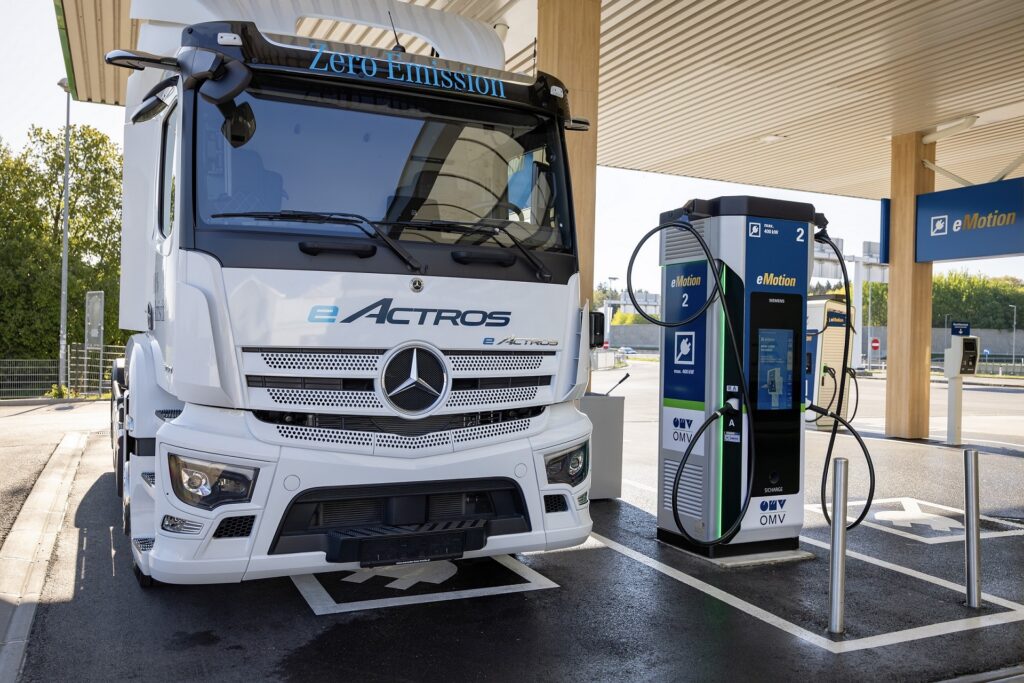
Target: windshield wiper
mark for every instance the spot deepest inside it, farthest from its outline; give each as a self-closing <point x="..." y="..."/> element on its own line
<point x="492" y="231"/>
<point x="341" y="218"/>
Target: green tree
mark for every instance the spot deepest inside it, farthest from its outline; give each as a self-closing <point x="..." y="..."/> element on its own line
<point x="603" y="292"/>
<point x="958" y="295"/>
<point x="31" y="187"/>
<point x="623" y="318"/>
<point x="878" y="294"/>
<point x="978" y="299"/>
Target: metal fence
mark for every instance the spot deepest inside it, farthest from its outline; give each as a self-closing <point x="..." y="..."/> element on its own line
<point x="89" y="369"/>
<point x="27" y="378"/>
<point x="1002" y="369"/>
<point x="88" y="373"/>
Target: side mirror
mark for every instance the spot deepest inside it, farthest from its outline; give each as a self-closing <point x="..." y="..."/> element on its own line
<point x="138" y="61"/>
<point x="155" y="101"/>
<point x="577" y="124"/>
<point x="596" y="329"/>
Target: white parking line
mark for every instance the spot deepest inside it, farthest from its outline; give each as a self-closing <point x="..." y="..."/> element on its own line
<point x="1018" y="529"/>
<point x="321" y="602"/>
<point x="1015" y="614"/>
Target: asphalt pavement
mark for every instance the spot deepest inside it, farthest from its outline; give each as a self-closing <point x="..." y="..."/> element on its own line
<point x="28" y="435"/>
<point x="623" y="607"/>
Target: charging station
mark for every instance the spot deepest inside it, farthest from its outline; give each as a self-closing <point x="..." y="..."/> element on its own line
<point x="823" y="355"/>
<point x="961" y="358"/>
<point x="765" y="255"/>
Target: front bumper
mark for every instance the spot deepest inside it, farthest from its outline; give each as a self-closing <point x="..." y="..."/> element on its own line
<point x="286" y="472"/>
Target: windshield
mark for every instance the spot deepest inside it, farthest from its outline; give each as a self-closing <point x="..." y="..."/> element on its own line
<point x="409" y="164"/>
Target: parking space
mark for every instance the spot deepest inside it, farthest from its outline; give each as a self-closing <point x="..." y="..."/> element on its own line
<point x="622" y="606"/>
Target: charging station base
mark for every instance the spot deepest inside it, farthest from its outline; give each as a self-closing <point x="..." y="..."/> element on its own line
<point x="722" y="551"/>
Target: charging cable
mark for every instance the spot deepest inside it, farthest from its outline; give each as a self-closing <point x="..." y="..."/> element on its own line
<point x="823" y="237"/>
<point x="731" y="406"/>
<point x="835" y="387"/>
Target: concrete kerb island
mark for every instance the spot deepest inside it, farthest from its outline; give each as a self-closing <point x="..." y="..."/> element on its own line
<point x="25" y="555"/>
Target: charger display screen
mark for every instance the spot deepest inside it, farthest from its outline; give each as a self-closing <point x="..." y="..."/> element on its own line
<point x="774" y="369"/>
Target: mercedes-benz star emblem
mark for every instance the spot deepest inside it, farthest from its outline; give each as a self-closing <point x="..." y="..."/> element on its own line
<point x="414" y="380"/>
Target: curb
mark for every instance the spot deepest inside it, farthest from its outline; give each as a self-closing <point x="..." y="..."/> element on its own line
<point x="43" y="401"/>
<point x="1019" y="384"/>
<point x="25" y="555"/>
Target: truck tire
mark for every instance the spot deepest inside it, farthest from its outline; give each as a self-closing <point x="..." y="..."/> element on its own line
<point x="144" y="580"/>
<point x="119" y="453"/>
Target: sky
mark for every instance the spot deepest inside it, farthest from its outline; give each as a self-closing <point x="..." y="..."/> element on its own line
<point x="628" y="202"/>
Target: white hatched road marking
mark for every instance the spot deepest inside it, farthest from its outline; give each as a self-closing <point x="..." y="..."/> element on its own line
<point x="1017" y="529"/>
<point x="1015" y="613"/>
<point x="320" y="601"/>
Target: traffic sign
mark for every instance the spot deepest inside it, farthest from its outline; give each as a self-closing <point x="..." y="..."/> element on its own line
<point x="875" y="344"/>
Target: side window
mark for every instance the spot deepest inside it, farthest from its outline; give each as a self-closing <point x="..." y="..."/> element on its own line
<point x="168" y="171"/>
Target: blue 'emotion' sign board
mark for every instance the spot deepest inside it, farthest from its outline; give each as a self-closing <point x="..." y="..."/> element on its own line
<point x="979" y="221"/>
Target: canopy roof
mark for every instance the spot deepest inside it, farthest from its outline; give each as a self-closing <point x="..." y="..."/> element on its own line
<point x="702" y="88"/>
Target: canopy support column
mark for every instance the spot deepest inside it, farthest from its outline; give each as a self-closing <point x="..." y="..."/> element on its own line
<point x="568" y="41"/>
<point x="908" y="368"/>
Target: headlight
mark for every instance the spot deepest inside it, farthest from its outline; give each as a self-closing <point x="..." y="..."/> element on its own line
<point x="568" y="467"/>
<point x="206" y="484"/>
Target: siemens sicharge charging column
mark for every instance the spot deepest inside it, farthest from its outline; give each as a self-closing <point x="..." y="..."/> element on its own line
<point x="764" y="250"/>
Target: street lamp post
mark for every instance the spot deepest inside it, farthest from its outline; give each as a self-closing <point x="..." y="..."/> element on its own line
<point x="945" y="323"/>
<point x="1013" y="339"/>
<point x="62" y="370"/>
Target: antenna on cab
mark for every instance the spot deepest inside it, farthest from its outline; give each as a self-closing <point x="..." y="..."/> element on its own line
<point x="398" y="43"/>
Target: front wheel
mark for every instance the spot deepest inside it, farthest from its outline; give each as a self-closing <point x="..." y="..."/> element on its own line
<point x="119" y="468"/>
<point x="144" y="580"/>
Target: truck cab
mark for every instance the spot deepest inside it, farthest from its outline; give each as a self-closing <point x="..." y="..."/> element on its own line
<point x="354" y="277"/>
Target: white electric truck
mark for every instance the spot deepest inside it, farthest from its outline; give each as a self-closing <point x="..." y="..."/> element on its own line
<point x="354" y="277"/>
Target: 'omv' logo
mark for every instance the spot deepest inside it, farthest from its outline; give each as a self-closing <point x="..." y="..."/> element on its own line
<point x="772" y="512"/>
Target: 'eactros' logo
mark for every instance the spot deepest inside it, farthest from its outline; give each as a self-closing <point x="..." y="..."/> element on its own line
<point x="383" y="312"/>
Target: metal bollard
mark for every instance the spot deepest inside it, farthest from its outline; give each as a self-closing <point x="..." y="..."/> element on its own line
<point x="837" y="553"/>
<point x="972" y="524"/>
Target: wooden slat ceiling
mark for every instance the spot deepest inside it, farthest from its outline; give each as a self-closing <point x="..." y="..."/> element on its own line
<point x="689" y="87"/>
<point x="91" y="29"/>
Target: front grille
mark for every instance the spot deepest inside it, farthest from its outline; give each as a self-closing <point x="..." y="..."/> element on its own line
<point x="315" y="383"/>
<point x="337" y="360"/>
<point x="396" y="425"/>
<point x="325" y="399"/>
<point x="555" y="503"/>
<point x="503" y="361"/>
<point x="352" y="512"/>
<point x="149" y="478"/>
<point x="386" y="441"/>
<point x="486" y="397"/>
<point x="471" y="383"/>
<point x="235" y="527"/>
<point x="168" y="414"/>
<point x="353" y="380"/>
<point x="495" y="506"/>
<point x="447" y="506"/>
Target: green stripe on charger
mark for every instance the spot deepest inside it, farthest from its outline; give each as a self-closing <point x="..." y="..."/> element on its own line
<point x="679" y="403"/>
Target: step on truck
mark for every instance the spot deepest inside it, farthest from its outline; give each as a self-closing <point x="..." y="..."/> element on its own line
<point x="353" y="275"/>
